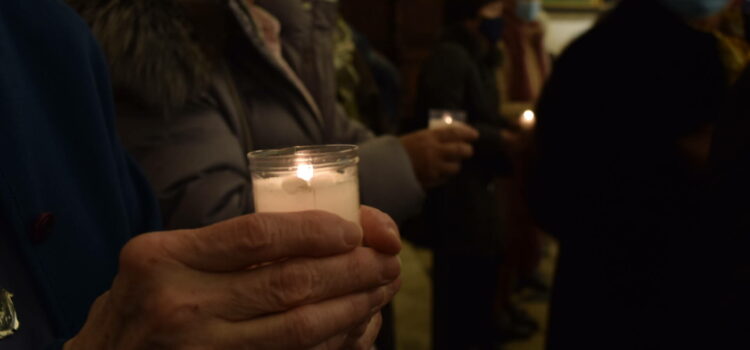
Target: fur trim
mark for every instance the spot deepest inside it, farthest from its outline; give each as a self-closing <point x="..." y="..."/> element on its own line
<point x="151" y="48"/>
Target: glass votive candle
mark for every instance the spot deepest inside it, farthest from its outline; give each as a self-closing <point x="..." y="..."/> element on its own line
<point x="440" y="118"/>
<point x="307" y="178"/>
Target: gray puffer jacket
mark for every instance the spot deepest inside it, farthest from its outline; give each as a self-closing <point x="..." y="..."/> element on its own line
<point x="189" y="112"/>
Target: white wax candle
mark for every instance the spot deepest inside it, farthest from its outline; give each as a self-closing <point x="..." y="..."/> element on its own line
<point x="310" y="189"/>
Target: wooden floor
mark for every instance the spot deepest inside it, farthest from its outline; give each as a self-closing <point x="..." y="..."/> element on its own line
<point x="413" y="304"/>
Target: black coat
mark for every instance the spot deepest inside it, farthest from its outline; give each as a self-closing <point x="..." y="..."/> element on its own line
<point x="462" y="217"/>
<point x="612" y="183"/>
<point x="729" y="216"/>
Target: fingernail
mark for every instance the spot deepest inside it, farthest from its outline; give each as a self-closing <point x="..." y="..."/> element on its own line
<point x="391" y="269"/>
<point x="378" y="298"/>
<point x="395" y="287"/>
<point x="352" y="234"/>
<point x="390" y="224"/>
<point x="394" y="232"/>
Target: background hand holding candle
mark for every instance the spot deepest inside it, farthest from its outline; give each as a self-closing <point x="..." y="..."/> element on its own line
<point x="436" y="154"/>
<point x="446" y="118"/>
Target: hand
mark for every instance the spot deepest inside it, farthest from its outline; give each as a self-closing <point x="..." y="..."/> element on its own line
<point x="517" y="141"/>
<point x="312" y="286"/>
<point x="436" y="154"/>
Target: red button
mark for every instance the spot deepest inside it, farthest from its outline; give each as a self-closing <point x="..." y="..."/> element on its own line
<point x="42" y="228"/>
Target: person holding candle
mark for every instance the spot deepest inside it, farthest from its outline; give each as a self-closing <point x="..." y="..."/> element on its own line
<point x="213" y="83"/>
<point x="624" y="129"/>
<point x="72" y="204"/>
<point x="527" y="64"/>
<point x="463" y="217"/>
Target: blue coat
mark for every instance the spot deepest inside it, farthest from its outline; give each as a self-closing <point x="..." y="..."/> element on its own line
<point x="69" y="196"/>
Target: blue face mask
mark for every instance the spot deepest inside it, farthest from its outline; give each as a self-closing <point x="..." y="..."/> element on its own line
<point x="529" y="10"/>
<point x="696" y="9"/>
<point x="492" y="29"/>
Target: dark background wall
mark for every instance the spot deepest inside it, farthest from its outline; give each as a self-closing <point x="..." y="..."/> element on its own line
<point x="404" y="30"/>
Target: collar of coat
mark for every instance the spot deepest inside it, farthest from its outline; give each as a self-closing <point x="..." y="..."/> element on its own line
<point x="151" y="47"/>
<point x="155" y="52"/>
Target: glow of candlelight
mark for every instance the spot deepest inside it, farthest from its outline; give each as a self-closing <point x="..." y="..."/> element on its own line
<point x="528" y="116"/>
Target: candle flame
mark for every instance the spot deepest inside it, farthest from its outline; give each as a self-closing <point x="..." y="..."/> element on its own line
<point x="528" y="116"/>
<point x="448" y="119"/>
<point x="305" y="171"/>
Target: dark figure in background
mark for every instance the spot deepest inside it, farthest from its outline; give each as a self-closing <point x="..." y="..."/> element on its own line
<point x="728" y="214"/>
<point x="368" y="83"/>
<point x="463" y="216"/>
<point x="620" y="178"/>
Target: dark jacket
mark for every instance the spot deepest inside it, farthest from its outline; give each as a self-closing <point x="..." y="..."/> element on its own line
<point x="613" y="184"/>
<point x="69" y="196"/>
<point x="727" y="216"/>
<point x="189" y="114"/>
<point x="464" y="214"/>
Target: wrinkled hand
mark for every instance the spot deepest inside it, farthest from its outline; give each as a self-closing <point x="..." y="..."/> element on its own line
<point x="264" y="281"/>
<point x="436" y="154"/>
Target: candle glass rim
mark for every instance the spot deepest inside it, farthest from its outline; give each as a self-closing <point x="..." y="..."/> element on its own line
<point x="289" y="158"/>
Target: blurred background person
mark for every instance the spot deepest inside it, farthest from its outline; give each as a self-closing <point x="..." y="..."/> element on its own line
<point x="462" y="219"/>
<point x="727" y="270"/>
<point x="527" y="62"/>
<point x="525" y="67"/>
<point x="624" y="127"/>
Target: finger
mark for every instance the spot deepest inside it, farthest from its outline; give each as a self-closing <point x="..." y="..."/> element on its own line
<point x="306" y="326"/>
<point x="457" y="133"/>
<point x="455" y="151"/>
<point x="252" y="239"/>
<point x="355" y="334"/>
<point x="347" y="341"/>
<point x="449" y="168"/>
<point x="367" y="339"/>
<point x="380" y="231"/>
<point x="362" y="337"/>
<point x="293" y="283"/>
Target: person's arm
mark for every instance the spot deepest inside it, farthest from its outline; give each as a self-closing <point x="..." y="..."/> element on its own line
<point x="192" y="158"/>
<point x="395" y="170"/>
<point x="264" y="281"/>
<point x="449" y="80"/>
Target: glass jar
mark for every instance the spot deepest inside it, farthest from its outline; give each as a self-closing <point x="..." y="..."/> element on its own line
<point x="441" y="118"/>
<point x="307" y="178"/>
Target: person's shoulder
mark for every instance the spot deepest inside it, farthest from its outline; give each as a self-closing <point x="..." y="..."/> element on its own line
<point x="57" y="23"/>
<point x="451" y="49"/>
<point x="152" y="52"/>
<point x="592" y="48"/>
<point x="450" y="56"/>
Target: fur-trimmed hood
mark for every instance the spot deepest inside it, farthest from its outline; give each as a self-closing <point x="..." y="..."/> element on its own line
<point x="152" y="49"/>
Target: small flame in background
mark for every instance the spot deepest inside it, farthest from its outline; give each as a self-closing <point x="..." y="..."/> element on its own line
<point x="528" y="116"/>
<point x="528" y="119"/>
<point x="305" y="171"/>
<point x="447" y="119"/>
